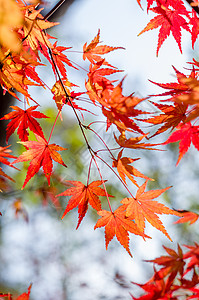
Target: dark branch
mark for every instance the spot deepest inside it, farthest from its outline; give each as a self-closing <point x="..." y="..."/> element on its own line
<point x="196" y="8"/>
<point x="53" y="10"/>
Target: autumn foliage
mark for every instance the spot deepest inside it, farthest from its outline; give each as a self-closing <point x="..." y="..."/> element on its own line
<point x="24" y="40"/>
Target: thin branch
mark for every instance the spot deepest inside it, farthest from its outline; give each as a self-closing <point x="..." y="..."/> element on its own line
<point x="196" y="8"/>
<point x="53" y="10"/>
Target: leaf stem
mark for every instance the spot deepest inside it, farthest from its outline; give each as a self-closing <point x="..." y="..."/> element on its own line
<point x="109" y="204"/>
<point x="126" y="187"/>
<point x="54" y="124"/>
<point x="102" y="141"/>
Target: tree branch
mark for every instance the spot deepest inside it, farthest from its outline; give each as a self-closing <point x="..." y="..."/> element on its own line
<point x="196" y="8"/>
<point x="53" y="10"/>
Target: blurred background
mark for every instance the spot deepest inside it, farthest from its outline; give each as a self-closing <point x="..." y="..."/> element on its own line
<point x="36" y="246"/>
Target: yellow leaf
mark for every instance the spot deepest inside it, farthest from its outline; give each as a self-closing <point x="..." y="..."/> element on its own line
<point x="10" y="19"/>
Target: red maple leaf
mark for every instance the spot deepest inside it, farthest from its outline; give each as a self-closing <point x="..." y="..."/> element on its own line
<point x="195" y="27"/>
<point x="40" y="154"/>
<point x="172" y="264"/>
<point x="116" y="223"/>
<point x="193" y="255"/>
<point x="60" y="59"/>
<point x="170" y="21"/>
<point x="83" y="195"/>
<point x="23" y="119"/>
<point x="176" y="88"/>
<point x="185" y="133"/>
<point x="25" y="296"/>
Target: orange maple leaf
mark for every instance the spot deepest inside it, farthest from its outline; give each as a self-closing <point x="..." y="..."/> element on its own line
<point x="124" y="169"/>
<point x="191" y="96"/>
<point x="61" y="93"/>
<point x="83" y="195"/>
<point x="133" y="143"/>
<point x="14" y="74"/>
<point x="142" y="208"/>
<point x="92" y="51"/>
<point x="187" y="216"/>
<point x="41" y="154"/>
<point x="116" y="223"/>
<point x="23" y="119"/>
<point x="34" y="27"/>
<point x="97" y="82"/>
<point x="4" y="155"/>
<point x="172" y="115"/>
<point x="120" y="110"/>
<point x="9" y="24"/>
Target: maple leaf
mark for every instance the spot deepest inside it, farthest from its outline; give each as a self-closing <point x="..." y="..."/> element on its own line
<point x="59" y="92"/>
<point x="117" y="224"/>
<point x="25" y="296"/>
<point x="156" y="290"/>
<point x="4" y="154"/>
<point x="191" y="96"/>
<point x="195" y="27"/>
<point x="176" y="88"/>
<point x="124" y="169"/>
<point x="20" y="210"/>
<point x="34" y="29"/>
<point x="92" y="51"/>
<point x="185" y="133"/>
<point x="47" y="193"/>
<point x="120" y="109"/>
<point x="9" y="22"/>
<point x="169" y="21"/>
<point x="187" y="216"/>
<point x="142" y="208"/>
<point x="41" y="154"/>
<point x="161" y="286"/>
<point x="83" y="195"/>
<point x="13" y="76"/>
<point x="60" y="59"/>
<point x="23" y="119"/>
<point x="172" y="264"/>
<point x="2" y="173"/>
<point x="193" y="255"/>
<point x="192" y="83"/>
<point x="171" y="117"/>
<point x="97" y="82"/>
<point x="133" y="143"/>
